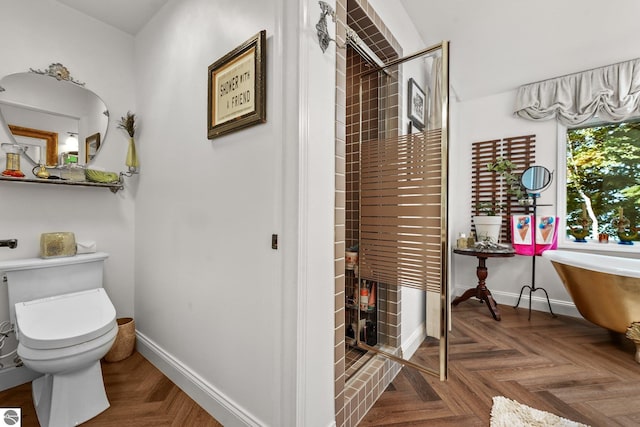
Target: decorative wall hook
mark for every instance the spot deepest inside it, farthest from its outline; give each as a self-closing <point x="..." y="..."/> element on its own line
<point x="323" y="33"/>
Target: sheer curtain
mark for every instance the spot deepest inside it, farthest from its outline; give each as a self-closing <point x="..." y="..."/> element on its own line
<point x="435" y="110"/>
<point x="612" y="93"/>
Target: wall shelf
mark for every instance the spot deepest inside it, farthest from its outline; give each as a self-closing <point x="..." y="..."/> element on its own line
<point x="114" y="187"/>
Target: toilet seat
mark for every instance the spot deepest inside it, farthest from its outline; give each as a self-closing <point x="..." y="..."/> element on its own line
<point x="71" y="319"/>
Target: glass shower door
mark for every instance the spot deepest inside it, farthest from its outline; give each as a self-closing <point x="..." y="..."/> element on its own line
<point x="403" y="205"/>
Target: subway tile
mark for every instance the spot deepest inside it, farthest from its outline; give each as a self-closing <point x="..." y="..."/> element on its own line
<point x="340" y="414"/>
<point x="339" y="368"/>
<point x="338" y="301"/>
<point x="339" y="233"/>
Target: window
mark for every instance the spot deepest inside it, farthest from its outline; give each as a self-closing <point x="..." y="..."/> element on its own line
<point x="601" y="167"/>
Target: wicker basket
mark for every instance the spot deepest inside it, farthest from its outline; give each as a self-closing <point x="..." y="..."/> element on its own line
<point x="125" y="341"/>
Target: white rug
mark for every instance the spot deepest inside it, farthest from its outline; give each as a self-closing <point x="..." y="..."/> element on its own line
<point x="509" y="413"/>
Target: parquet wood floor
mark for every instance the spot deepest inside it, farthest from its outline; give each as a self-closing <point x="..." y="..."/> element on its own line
<point x="562" y="365"/>
<point x="140" y="395"/>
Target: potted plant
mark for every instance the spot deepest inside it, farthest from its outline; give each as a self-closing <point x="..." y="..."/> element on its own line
<point x="488" y="222"/>
<point x="505" y="167"/>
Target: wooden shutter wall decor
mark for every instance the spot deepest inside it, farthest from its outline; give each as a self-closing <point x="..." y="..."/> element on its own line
<point x="490" y="186"/>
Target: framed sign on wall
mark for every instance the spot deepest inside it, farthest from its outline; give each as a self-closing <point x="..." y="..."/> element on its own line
<point x="237" y="88"/>
<point x="92" y="144"/>
<point x="417" y="104"/>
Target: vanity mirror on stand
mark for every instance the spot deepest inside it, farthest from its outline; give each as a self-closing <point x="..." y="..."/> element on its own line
<point x="55" y="124"/>
<point x="535" y="180"/>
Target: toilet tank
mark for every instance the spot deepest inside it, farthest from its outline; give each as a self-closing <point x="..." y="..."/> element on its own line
<point x="33" y="278"/>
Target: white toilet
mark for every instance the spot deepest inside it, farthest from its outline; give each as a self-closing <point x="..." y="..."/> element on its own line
<point x="65" y="323"/>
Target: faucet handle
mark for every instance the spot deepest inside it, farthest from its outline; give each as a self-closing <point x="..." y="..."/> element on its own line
<point x="10" y="243"/>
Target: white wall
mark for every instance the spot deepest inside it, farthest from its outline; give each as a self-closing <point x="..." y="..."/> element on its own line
<point x="485" y="119"/>
<point x="36" y="34"/>
<point x="251" y="325"/>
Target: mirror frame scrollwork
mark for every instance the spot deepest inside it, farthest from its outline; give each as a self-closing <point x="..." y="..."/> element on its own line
<point x="58" y="72"/>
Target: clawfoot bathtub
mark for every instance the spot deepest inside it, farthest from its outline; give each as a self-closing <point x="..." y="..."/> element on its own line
<point x="605" y="289"/>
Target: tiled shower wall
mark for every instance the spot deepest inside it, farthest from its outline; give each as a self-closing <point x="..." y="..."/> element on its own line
<point x="368" y="129"/>
<point x="355" y="397"/>
<point x="356" y="65"/>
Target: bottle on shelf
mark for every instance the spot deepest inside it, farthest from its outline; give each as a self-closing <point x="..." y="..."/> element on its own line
<point x="371" y="305"/>
<point x="363" y="329"/>
<point x="471" y="240"/>
<point x="371" y="333"/>
<point x="461" y="242"/>
<point x="350" y="332"/>
<point x="364" y="296"/>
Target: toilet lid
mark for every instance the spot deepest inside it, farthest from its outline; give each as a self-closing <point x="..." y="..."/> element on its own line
<point x="64" y="320"/>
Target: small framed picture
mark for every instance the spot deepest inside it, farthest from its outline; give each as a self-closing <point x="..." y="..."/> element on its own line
<point x="237" y="88"/>
<point x="417" y="104"/>
<point x="92" y="144"/>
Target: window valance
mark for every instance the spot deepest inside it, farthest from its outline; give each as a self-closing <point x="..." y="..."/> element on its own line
<point x="612" y="93"/>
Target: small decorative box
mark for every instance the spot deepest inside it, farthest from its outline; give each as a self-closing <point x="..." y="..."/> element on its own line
<point x="58" y="244"/>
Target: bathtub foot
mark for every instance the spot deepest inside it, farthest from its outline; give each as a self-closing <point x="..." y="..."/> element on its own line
<point x="637" y="354"/>
<point x="633" y="333"/>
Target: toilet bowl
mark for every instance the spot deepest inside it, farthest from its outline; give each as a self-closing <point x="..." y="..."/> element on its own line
<point x="67" y="348"/>
<point x="62" y="335"/>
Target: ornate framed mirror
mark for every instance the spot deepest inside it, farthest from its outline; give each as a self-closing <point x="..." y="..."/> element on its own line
<point x="55" y="111"/>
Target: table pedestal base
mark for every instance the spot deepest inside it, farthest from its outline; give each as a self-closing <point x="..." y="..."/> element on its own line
<point x="480" y="291"/>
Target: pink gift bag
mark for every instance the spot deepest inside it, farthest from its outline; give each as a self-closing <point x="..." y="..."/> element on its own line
<point x="524" y="230"/>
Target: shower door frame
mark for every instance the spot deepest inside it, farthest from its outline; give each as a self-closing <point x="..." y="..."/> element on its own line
<point x="443" y="339"/>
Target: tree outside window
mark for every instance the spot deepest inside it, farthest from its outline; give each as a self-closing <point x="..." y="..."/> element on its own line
<point x="603" y="174"/>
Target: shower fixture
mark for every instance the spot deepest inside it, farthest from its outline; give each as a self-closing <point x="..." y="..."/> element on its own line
<point x="323" y="33"/>
<point x="352" y="38"/>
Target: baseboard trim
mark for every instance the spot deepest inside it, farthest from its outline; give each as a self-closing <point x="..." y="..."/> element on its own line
<point x="15" y="376"/>
<point x="413" y="342"/>
<point x="207" y="396"/>
<point x="538" y="302"/>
